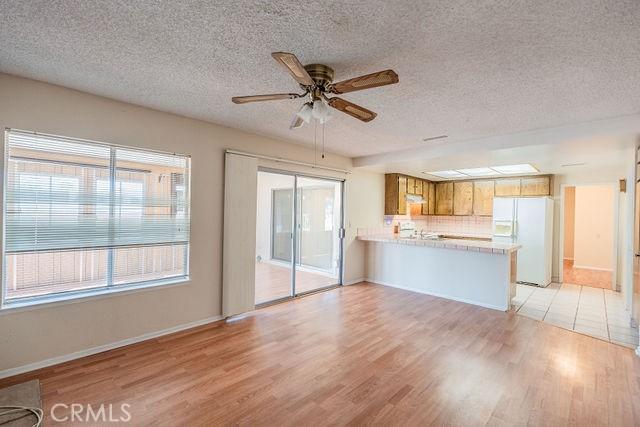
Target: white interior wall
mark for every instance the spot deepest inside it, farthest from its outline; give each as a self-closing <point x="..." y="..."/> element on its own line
<point x="610" y="176"/>
<point x="53" y="331"/>
<point x="364" y="193"/>
<point x="594" y="227"/>
<point x="569" y="221"/>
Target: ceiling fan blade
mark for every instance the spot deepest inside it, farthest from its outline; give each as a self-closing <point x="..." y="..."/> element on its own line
<point x="352" y="109"/>
<point x="259" y="98"/>
<point x="291" y="63"/>
<point x="381" y="78"/>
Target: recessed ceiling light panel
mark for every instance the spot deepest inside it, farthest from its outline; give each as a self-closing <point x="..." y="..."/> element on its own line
<point x="478" y="172"/>
<point x="447" y="174"/>
<point x="515" y="169"/>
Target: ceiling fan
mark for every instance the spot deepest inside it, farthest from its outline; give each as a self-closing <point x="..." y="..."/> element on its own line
<point x="317" y="81"/>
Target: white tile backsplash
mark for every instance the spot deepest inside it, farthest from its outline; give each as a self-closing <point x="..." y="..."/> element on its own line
<point x="480" y="226"/>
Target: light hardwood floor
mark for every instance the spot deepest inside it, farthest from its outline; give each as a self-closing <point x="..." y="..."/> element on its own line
<point x="362" y="354"/>
<point x="586" y="276"/>
<point x="273" y="281"/>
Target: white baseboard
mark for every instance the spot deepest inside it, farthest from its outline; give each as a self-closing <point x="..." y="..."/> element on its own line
<point x="569" y="259"/>
<point x="354" y="281"/>
<point x="587" y="267"/>
<point x="433" y="294"/>
<point x="99" y="349"/>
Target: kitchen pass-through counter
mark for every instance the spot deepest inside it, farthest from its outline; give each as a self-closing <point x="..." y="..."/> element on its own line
<point x="474" y="271"/>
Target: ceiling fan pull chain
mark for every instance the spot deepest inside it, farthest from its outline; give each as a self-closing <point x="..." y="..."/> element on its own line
<point x="322" y="155"/>
<point x="315" y="143"/>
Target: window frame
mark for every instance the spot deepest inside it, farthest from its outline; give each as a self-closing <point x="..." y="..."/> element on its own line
<point x="110" y="288"/>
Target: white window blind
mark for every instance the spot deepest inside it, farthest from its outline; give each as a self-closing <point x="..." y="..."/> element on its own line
<point x="81" y="215"/>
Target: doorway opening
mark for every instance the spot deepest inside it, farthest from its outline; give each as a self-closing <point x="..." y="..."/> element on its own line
<point x="299" y="230"/>
<point x="589" y="255"/>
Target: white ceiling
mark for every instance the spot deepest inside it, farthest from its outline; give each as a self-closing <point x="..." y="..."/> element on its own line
<point x="591" y="156"/>
<point x="468" y="69"/>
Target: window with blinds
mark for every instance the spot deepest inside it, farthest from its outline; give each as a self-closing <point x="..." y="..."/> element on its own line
<point x="84" y="217"/>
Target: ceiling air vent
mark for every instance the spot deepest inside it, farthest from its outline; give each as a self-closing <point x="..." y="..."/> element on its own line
<point x="433" y="138"/>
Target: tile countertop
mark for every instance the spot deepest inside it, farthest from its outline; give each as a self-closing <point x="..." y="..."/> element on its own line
<point x="460" y="244"/>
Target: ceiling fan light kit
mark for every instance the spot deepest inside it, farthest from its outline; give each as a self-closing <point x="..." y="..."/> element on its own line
<point x="317" y="81"/>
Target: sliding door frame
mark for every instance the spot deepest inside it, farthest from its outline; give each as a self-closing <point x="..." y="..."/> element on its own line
<point x="294" y="232"/>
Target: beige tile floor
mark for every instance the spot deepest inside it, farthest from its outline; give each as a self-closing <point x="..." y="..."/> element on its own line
<point x="596" y="312"/>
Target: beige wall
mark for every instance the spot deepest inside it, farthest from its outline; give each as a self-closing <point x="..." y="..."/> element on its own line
<point x="39" y="333"/>
<point x="600" y="176"/>
<point x="569" y="221"/>
<point x="594" y="223"/>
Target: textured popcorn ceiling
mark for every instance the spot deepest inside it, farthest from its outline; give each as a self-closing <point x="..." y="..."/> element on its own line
<point x="467" y="68"/>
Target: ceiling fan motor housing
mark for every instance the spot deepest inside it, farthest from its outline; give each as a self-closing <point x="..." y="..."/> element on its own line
<point x="321" y="74"/>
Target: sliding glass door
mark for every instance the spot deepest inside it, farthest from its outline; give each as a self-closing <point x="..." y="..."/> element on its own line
<point x="318" y="225"/>
<point x="298" y="235"/>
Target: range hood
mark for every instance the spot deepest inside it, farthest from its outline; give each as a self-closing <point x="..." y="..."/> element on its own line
<point x="414" y="198"/>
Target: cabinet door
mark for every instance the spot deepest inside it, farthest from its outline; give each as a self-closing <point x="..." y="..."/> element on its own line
<point x="507" y="187"/>
<point x="411" y="185"/>
<point x="463" y="198"/>
<point x="432" y="199"/>
<point x="418" y="187"/>
<point x="402" y="195"/>
<point x="535" y="186"/>
<point x="391" y="194"/>
<point x="444" y="198"/>
<point x="483" y="198"/>
<point x="426" y="197"/>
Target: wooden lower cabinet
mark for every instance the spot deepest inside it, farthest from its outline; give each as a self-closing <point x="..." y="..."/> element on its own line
<point x="463" y="198"/>
<point x="444" y="198"/>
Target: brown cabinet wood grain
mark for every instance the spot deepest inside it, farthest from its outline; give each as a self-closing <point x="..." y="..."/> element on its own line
<point x="391" y="194"/>
<point x="483" y="192"/>
<point x="402" y="195"/>
<point x="535" y="186"/>
<point x="474" y="197"/>
<point x="395" y="191"/>
<point x="432" y="198"/>
<point x="411" y="185"/>
<point x="507" y="187"/>
<point x="424" y="209"/>
<point x="463" y="198"/>
<point x="444" y="198"/>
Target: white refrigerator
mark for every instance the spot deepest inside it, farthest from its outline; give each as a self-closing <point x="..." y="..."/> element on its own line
<point x="527" y="221"/>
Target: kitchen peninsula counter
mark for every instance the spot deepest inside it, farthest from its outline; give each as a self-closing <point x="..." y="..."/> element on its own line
<point x="472" y="244"/>
<point x="474" y="271"/>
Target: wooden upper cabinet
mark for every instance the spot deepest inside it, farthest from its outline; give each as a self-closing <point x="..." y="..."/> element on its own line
<point x="463" y="198"/>
<point x="535" y="186"/>
<point x="483" y="192"/>
<point x="507" y="187"/>
<point x="444" y="198"/>
<point x="474" y="197"/>
<point x="411" y="185"/>
<point x="418" y="187"/>
<point x="395" y="191"/>
<point x="432" y="198"/>
<point x="402" y="195"/>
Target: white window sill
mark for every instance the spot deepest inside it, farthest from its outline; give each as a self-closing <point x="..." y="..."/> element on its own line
<point x="83" y="296"/>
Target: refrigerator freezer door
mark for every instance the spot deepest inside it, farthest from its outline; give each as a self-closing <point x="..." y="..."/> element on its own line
<point x="503" y="209"/>
<point x="503" y="217"/>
